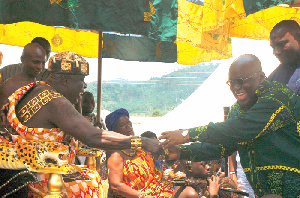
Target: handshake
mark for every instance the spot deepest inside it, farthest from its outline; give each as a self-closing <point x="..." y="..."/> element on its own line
<point x="169" y="147"/>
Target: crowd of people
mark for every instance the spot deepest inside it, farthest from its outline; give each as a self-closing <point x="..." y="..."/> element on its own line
<point x="261" y="134"/>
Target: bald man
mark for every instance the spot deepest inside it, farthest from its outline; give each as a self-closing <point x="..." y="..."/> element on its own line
<point x="11" y="70"/>
<point x="262" y="127"/>
<point x="33" y="60"/>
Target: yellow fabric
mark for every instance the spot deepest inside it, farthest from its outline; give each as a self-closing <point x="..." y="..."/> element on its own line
<point x="203" y="32"/>
<point x="61" y="39"/>
<point x="258" y="25"/>
<point x="188" y="54"/>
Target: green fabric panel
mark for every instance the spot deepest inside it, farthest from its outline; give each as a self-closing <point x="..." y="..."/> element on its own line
<point x="112" y="15"/>
<point x="252" y="6"/>
<point x="164" y="21"/>
<point x="143" y="49"/>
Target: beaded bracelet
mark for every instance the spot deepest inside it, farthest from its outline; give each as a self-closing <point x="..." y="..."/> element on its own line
<point x="136" y="143"/>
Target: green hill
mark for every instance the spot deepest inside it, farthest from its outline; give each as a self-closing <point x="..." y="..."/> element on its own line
<point x="156" y="96"/>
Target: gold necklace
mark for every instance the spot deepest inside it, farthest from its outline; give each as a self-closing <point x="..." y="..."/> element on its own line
<point x="129" y="154"/>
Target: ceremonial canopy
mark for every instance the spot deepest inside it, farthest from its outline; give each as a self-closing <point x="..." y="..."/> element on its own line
<point x="183" y="31"/>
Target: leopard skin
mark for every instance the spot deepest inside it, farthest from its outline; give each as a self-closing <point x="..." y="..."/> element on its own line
<point x="84" y="150"/>
<point x="36" y="157"/>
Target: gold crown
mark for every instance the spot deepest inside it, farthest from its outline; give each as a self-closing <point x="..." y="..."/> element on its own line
<point x="68" y="63"/>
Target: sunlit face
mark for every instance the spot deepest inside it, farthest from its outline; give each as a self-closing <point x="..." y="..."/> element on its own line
<point x="87" y="103"/>
<point x="285" y="46"/>
<point x="75" y="87"/>
<point x="124" y="126"/>
<point x="244" y="93"/>
<point x="34" y="62"/>
<point x="201" y="169"/>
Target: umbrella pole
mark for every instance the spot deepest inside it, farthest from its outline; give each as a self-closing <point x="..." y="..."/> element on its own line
<point x="99" y="77"/>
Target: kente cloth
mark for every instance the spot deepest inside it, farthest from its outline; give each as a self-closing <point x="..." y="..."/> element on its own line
<point x="143" y="175"/>
<point x="112" y="118"/>
<point x="85" y="184"/>
<point x="267" y="137"/>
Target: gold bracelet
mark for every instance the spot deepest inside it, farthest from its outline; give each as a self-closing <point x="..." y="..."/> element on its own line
<point x="143" y="195"/>
<point x="136" y="143"/>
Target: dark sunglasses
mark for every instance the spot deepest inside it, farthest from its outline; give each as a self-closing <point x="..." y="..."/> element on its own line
<point x="240" y="81"/>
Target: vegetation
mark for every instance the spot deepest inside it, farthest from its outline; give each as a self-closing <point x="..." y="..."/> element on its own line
<point x="156" y="96"/>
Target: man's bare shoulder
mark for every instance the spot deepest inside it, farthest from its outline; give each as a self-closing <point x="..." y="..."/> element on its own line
<point x="52" y="105"/>
<point x="56" y="100"/>
<point x="9" y="87"/>
<point x="16" y="80"/>
<point x="38" y="89"/>
<point x="14" y="83"/>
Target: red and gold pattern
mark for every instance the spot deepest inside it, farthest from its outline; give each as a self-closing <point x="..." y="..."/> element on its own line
<point x="141" y="174"/>
<point x="86" y="185"/>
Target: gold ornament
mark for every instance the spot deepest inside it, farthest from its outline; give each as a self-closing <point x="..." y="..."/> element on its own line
<point x="136" y="143"/>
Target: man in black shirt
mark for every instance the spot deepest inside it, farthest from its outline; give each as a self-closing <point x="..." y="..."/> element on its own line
<point x="285" y="41"/>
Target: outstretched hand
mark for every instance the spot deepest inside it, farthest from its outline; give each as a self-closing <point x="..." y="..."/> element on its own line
<point x="152" y="145"/>
<point x="172" y="138"/>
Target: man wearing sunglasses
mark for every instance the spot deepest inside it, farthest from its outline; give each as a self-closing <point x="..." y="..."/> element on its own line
<point x="263" y="126"/>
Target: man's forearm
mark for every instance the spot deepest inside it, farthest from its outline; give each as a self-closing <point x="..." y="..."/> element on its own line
<point x="109" y="140"/>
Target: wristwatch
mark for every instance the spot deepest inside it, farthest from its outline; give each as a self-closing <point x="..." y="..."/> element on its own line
<point x="185" y="134"/>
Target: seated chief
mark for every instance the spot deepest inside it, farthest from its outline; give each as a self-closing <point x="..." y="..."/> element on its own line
<point x="44" y="111"/>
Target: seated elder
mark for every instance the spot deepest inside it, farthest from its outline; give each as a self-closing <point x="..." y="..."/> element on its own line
<point x="132" y="173"/>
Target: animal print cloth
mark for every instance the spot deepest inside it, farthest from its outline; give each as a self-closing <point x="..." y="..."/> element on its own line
<point x="87" y="184"/>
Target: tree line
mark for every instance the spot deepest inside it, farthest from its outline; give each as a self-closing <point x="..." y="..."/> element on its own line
<point x="154" y="97"/>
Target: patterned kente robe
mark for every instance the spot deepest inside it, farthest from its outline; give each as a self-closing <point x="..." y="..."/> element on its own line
<point x="267" y="137"/>
<point x="87" y="184"/>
